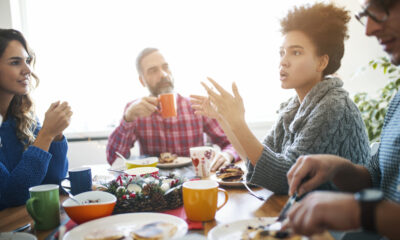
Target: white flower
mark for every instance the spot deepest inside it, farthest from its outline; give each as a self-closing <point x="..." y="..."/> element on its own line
<point x="165" y="187"/>
<point x="134" y="188"/>
<point x="168" y="181"/>
<point x="149" y="179"/>
<point x="121" y="189"/>
<point x="156" y="182"/>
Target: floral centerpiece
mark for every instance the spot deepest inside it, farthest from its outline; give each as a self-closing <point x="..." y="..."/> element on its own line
<point x="148" y="193"/>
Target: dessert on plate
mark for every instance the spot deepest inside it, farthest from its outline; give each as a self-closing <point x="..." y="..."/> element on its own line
<point x="155" y="231"/>
<point x="230" y="173"/>
<point x="167" y="157"/>
<point x="260" y="233"/>
<point x="105" y="234"/>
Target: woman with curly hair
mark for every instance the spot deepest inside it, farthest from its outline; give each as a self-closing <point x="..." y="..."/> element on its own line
<point x="321" y="118"/>
<point x="30" y="155"/>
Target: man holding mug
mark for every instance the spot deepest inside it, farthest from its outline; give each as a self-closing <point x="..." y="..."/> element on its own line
<point x="164" y="130"/>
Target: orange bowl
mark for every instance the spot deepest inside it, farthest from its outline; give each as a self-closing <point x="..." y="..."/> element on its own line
<point x="94" y="204"/>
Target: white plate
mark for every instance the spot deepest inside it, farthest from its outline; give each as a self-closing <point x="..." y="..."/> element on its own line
<point x="235" y="229"/>
<point x="126" y="223"/>
<point x="227" y="183"/>
<point x="178" y="162"/>
<point x="139" y="171"/>
<point x="17" y="236"/>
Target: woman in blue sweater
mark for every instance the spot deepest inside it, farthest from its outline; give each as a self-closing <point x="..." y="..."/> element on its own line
<point x="30" y="155"/>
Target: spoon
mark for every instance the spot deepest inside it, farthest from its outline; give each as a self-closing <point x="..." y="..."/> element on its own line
<point x="71" y="196"/>
<point x="121" y="156"/>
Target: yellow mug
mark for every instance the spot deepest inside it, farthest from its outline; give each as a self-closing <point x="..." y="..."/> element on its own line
<point x="200" y="199"/>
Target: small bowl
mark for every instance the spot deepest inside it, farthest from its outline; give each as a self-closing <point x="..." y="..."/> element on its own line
<point x="144" y="162"/>
<point x="141" y="171"/>
<point x="89" y="211"/>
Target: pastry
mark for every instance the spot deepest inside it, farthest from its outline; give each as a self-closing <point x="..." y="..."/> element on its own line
<point x="230" y="173"/>
<point x="155" y="231"/>
<point x="259" y="233"/>
<point x="105" y="234"/>
<point x="167" y="157"/>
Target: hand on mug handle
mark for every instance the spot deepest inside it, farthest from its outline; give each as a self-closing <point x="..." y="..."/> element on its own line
<point x="226" y="198"/>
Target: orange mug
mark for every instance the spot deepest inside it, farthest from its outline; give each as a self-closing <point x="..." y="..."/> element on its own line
<point x="167" y="105"/>
<point x="200" y="199"/>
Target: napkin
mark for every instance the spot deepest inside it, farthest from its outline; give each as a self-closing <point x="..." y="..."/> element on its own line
<point x="68" y="226"/>
<point x="180" y="212"/>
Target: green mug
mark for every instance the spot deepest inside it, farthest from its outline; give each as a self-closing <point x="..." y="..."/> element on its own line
<point x="44" y="206"/>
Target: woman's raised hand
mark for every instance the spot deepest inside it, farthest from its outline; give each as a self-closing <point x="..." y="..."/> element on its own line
<point x="203" y="106"/>
<point x="57" y="118"/>
<point x="229" y="106"/>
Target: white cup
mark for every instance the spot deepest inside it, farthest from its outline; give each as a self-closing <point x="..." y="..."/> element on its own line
<point x="201" y="159"/>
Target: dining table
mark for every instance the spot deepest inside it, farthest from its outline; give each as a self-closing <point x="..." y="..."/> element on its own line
<point x="240" y="206"/>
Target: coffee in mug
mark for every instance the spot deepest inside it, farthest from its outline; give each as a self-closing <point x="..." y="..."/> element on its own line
<point x="44" y="206"/>
<point x="200" y="199"/>
<point x="201" y="159"/>
<point x="167" y="105"/>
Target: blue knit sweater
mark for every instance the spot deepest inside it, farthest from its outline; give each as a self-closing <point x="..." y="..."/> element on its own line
<point x="20" y="170"/>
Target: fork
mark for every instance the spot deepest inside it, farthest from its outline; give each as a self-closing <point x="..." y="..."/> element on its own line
<point x="253" y="193"/>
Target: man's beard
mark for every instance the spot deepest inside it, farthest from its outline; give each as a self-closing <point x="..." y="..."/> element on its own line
<point x="163" y="86"/>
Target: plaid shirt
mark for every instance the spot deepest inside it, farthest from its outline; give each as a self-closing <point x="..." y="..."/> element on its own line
<point x="175" y="135"/>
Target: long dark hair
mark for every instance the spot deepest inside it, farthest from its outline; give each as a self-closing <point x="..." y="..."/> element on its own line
<point x="21" y="106"/>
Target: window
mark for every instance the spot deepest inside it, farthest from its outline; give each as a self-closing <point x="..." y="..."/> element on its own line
<point x="86" y="52"/>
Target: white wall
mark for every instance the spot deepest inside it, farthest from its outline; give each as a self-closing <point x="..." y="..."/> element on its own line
<point x="359" y="51"/>
<point x="5" y="14"/>
<point x="359" y="48"/>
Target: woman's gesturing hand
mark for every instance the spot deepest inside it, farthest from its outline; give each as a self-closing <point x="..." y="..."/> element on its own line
<point x="202" y="106"/>
<point x="229" y="106"/>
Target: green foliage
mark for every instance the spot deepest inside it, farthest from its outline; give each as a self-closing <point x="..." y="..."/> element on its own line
<point x="373" y="111"/>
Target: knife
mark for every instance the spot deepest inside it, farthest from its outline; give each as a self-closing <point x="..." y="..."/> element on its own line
<point x="289" y="203"/>
<point x="23" y="228"/>
<point x="275" y="228"/>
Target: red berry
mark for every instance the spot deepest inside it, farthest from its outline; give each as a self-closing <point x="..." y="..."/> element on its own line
<point x="124" y="197"/>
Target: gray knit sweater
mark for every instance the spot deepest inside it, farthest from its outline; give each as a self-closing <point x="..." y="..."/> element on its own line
<point x="327" y="121"/>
